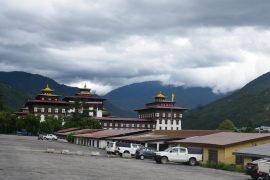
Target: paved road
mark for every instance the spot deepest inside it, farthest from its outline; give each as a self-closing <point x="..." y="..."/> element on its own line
<point x="24" y="158"/>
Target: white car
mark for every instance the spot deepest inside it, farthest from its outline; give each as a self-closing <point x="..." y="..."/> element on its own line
<point x="50" y="137"/>
<point x="264" y="167"/>
<point x="179" y="154"/>
<point x="126" y="148"/>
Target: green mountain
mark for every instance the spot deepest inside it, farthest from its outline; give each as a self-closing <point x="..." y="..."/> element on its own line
<point x="17" y="87"/>
<point x="11" y="98"/>
<point x="136" y="95"/>
<point x="32" y="84"/>
<point x="249" y="104"/>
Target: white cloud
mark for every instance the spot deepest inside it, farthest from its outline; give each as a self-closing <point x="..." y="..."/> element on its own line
<point x="114" y="43"/>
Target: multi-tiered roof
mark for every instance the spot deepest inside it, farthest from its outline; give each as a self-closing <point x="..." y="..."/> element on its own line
<point x="162" y="103"/>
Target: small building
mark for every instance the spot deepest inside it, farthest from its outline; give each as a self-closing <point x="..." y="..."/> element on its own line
<point x="219" y="147"/>
<point x="99" y="139"/>
<point x="165" y="113"/>
<point x="160" y="139"/>
<point x="253" y="153"/>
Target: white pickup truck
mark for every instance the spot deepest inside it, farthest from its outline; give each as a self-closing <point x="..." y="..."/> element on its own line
<point x="264" y="168"/>
<point x="126" y="148"/>
<point x="179" y="154"/>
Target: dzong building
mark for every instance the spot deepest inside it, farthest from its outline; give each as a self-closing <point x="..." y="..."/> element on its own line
<point x="162" y="114"/>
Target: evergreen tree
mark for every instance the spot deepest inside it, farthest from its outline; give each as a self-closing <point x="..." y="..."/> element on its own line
<point x="31" y="124"/>
<point x="1" y="101"/>
<point x="7" y="122"/>
<point x="50" y="125"/>
<point x="250" y="127"/>
<point x="227" y="125"/>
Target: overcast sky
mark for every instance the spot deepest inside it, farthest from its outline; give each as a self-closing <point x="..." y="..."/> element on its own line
<point x="222" y="44"/>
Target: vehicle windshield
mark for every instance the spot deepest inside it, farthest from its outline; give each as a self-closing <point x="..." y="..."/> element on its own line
<point x="110" y="144"/>
<point x="168" y="149"/>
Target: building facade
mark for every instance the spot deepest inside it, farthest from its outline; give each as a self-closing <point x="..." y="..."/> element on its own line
<point x="46" y="104"/>
<point x="219" y="147"/>
<point x="125" y="123"/>
<point x="165" y="114"/>
<point x="160" y="114"/>
<point x="85" y="102"/>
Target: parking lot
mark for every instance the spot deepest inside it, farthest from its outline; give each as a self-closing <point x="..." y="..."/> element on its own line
<point x="25" y="158"/>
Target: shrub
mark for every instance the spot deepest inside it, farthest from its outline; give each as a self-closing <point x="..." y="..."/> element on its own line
<point x="222" y="166"/>
<point x="70" y="138"/>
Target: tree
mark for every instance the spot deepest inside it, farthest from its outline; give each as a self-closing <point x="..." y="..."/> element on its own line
<point x="50" y="125"/>
<point x="1" y="101"/>
<point x="78" y="120"/>
<point x="7" y="122"/>
<point x="31" y="124"/>
<point x="250" y="127"/>
<point x="227" y="125"/>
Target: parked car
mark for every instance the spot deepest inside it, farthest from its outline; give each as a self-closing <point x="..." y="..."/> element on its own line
<point x="253" y="170"/>
<point x="179" y="154"/>
<point x="127" y="148"/>
<point x="145" y="152"/>
<point x="264" y="167"/>
<point x="111" y="148"/>
<point x="50" y="137"/>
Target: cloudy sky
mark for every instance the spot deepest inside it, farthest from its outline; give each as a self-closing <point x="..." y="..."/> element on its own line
<point x="222" y="44"/>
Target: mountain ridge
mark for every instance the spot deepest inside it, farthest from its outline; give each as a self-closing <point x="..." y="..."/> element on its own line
<point x="249" y="104"/>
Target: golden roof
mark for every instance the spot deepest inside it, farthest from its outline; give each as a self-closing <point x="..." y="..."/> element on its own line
<point x="160" y="95"/>
<point x="47" y="89"/>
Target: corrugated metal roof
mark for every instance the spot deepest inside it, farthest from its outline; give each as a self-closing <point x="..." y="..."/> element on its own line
<point x="256" y="151"/>
<point x="224" y="138"/>
<point x="67" y="130"/>
<point x="80" y="131"/>
<point x="110" y="133"/>
<point x="161" y="135"/>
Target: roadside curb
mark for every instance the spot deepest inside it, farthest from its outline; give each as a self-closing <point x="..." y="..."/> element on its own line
<point x="67" y="152"/>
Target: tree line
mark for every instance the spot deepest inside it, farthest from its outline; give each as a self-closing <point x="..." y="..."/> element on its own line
<point x="10" y="123"/>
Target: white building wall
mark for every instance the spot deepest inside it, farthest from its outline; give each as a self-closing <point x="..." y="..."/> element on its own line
<point x="170" y="125"/>
<point x="102" y="144"/>
<point x="99" y="113"/>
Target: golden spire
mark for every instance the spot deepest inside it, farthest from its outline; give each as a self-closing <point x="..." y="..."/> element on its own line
<point x="160" y="95"/>
<point x="85" y="86"/>
<point x="47" y="90"/>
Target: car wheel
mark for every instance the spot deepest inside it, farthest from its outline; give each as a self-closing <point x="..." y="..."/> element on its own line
<point x="164" y="160"/>
<point x="142" y="157"/>
<point x="266" y="177"/>
<point x="126" y="152"/>
<point x="254" y="177"/>
<point x="192" y="161"/>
